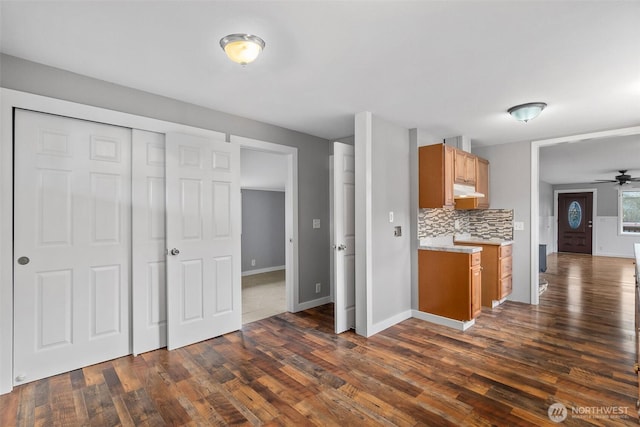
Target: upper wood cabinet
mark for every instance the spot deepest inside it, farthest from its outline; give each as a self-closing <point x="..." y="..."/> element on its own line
<point x="482" y="186"/>
<point x="435" y="175"/>
<point x="440" y="166"/>
<point x="464" y="168"/>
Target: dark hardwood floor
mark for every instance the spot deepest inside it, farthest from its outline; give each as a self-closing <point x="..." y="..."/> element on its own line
<point x="576" y="348"/>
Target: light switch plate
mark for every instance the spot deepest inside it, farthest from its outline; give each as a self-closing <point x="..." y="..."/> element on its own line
<point x="518" y="225"/>
<point x="316" y="223"/>
<point x="391" y="216"/>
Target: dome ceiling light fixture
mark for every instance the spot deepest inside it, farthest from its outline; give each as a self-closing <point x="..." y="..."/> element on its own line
<point x="528" y="111"/>
<point x="242" y="48"/>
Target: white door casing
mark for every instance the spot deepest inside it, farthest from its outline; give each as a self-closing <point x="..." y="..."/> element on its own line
<point x="203" y="238"/>
<point x="148" y="263"/>
<point x="344" y="236"/>
<point x="72" y="222"/>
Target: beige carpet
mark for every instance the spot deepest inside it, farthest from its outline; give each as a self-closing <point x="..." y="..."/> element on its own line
<point x="263" y="295"/>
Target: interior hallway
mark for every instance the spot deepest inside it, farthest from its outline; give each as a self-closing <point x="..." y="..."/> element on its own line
<point x="263" y="295"/>
<point x="577" y="348"/>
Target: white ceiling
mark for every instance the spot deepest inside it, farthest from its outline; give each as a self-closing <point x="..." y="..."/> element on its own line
<point x="447" y="67"/>
<point x="591" y="160"/>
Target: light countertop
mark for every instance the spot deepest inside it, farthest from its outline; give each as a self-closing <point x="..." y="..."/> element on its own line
<point x="476" y="241"/>
<point x="452" y="248"/>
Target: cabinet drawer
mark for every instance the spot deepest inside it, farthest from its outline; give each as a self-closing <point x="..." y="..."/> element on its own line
<point x="505" y="266"/>
<point x="506" y="251"/>
<point x="475" y="258"/>
<point x="505" y="286"/>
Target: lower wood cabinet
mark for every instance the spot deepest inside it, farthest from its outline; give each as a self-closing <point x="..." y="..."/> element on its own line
<point x="450" y="284"/>
<point x="496" y="271"/>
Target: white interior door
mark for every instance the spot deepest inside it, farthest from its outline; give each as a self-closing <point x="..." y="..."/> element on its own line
<point x="72" y="244"/>
<point x="148" y="264"/>
<point x="203" y="239"/>
<point x="344" y="236"/>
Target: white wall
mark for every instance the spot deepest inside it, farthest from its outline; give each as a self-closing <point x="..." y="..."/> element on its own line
<point x="510" y="186"/>
<point x="383" y="261"/>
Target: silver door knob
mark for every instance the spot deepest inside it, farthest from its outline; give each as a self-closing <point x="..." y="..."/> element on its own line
<point x="23" y="260"/>
<point x="342" y="247"/>
<point x="174" y="251"/>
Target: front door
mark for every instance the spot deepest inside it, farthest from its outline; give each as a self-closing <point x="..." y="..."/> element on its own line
<point x="72" y="244"/>
<point x="575" y="222"/>
<point x="344" y="237"/>
<point x="203" y="239"/>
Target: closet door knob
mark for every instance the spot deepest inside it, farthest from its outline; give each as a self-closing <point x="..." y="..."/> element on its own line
<point x="174" y="251"/>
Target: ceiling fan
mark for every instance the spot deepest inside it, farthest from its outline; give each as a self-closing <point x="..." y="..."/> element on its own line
<point x="621" y="179"/>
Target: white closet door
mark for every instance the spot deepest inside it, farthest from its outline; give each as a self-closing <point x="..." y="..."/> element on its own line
<point x="72" y="244"/>
<point x="344" y="237"/>
<point x="148" y="238"/>
<point x="203" y="238"/>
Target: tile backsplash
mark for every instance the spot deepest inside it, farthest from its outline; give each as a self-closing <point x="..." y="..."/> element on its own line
<point x="480" y="223"/>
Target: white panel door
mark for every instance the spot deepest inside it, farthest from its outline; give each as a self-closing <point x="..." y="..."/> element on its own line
<point x="72" y="244"/>
<point x="344" y="236"/>
<point x="203" y="238"/>
<point x="148" y="238"/>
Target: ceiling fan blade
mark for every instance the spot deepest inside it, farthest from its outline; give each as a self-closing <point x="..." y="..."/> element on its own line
<point x="606" y="180"/>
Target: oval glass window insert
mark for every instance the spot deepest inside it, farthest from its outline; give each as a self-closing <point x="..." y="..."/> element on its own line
<point x="575" y="215"/>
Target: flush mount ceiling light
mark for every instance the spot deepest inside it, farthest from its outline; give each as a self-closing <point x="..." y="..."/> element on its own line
<point x="526" y="112"/>
<point x="242" y="48"/>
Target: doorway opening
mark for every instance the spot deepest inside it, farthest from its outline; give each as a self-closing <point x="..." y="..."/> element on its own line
<point x="269" y="228"/>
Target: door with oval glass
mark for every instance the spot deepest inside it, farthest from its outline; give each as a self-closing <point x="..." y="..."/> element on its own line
<point x="575" y="222"/>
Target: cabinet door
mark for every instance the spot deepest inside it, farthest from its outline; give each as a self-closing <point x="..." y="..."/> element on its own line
<point x="449" y="160"/>
<point x="460" y="167"/>
<point x="482" y="182"/>
<point x="476" y="290"/>
<point x="470" y="169"/>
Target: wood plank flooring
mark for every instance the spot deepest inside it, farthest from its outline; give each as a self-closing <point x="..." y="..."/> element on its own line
<point x="577" y="348"/>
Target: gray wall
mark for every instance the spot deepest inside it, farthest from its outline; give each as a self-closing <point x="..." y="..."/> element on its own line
<point x="313" y="152"/>
<point x="263" y="235"/>
<point x="382" y="186"/>
<point x="510" y="184"/>
<point x="607" y="196"/>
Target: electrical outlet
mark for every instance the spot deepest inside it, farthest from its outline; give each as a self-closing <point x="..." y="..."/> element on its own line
<point x="318" y="286"/>
<point x="518" y="225"/>
<point x="316" y="223"/>
<point x="253" y="263"/>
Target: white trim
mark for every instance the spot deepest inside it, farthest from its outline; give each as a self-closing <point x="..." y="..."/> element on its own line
<point x="535" y="177"/>
<point x="263" y="270"/>
<point x="10" y="99"/>
<point x="292" y="290"/>
<point x="314" y="303"/>
<point x="278" y="190"/>
<point x="619" y="228"/>
<point x="443" y="321"/>
<point x="387" y="323"/>
<point x="594" y="234"/>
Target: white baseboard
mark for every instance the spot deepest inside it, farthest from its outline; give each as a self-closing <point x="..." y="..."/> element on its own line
<point x="444" y="321"/>
<point x="613" y="255"/>
<point x="263" y="270"/>
<point x="387" y="323"/>
<point x="311" y="304"/>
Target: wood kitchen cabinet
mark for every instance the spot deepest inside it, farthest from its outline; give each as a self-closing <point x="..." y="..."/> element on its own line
<point x="464" y="168"/>
<point x="439" y="166"/>
<point x="482" y="186"/>
<point x="497" y="265"/>
<point x="450" y="284"/>
<point x="435" y="175"/>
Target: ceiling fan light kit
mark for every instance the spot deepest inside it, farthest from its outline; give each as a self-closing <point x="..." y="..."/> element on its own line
<point x="242" y="48"/>
<point x="528" y="111"/>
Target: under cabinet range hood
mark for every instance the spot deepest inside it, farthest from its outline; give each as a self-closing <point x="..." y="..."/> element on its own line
<point x="461" y="191"/>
